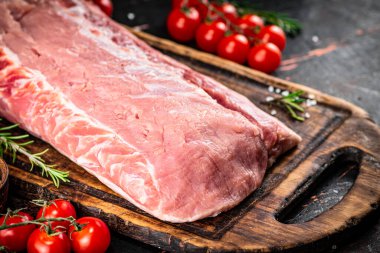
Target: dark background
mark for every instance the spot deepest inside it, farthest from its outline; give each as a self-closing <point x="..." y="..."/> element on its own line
<point x="338" y="52"/>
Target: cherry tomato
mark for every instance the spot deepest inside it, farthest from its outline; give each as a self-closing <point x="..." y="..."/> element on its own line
<point x="105" y="5"/>
<point x="273" y="34"/>
<point x="251" y="25"/>
<point x="182" y="24"/>
<point x="265" y="57"/>
<point x="59" y="208"/>
<point x="40" y="242"/>
<point x="15" y="239"/>
<point x="234" y="47"/>
<point x="229" y="11"/>
<point x="200" y="5"/>
<point x="202" y="9"/>
<point x="209" y="35"/>
<point x="181" y="3"/>
<point x="94" y="237"/>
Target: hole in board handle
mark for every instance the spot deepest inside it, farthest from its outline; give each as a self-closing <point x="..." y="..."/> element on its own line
<point x="328" y="189"/>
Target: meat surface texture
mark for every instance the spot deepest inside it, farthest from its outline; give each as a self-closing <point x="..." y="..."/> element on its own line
<point x="173" y="142"/>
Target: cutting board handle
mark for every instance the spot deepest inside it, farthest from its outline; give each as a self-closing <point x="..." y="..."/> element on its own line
<point x="360" y="200"/>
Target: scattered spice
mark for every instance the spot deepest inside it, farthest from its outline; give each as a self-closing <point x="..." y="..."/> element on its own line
<point x="292" y="102"/>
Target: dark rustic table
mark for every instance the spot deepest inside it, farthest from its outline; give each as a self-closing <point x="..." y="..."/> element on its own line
<point x="338" y="52"/>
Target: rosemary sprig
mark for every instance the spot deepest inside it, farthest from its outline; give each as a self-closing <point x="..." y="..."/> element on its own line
<point x="8" y="143"/>
<point x="290" y="26"/>
<point x="291" y="103"/>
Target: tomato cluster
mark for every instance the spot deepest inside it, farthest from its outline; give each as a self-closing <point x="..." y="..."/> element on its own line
<point x="87" y="234"/>
<point x="219" y="29"/>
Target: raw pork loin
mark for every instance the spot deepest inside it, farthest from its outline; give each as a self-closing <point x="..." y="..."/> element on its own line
<point x="172" y="141"/>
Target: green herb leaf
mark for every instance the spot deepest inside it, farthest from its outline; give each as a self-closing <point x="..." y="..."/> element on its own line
<point x="290" y="26"/>
<point x="8" y="143"/>
<point x="291" y="103"/>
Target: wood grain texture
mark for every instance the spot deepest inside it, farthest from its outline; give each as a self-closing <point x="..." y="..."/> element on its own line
<point x="4" y="185"/>
<point x="336" y="131"/>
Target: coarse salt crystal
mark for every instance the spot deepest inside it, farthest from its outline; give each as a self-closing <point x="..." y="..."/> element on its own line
<point x="131" y="16"/>
<point x="311" y="102"/>
<point x="307" y="115"/>
<point x="278" y="91"/>
<point x="315" y="38"/>
<point x="273" y="112"/>
<point x="285" y="93"/>
<point x="270" y="88"/>
<point x="269" y="99"/>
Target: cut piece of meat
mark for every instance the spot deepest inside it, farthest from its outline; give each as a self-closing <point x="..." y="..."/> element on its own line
<point x="173" y="142"/>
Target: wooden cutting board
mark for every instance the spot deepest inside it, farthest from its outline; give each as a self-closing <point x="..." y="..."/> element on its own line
<point x="327" y="184"/>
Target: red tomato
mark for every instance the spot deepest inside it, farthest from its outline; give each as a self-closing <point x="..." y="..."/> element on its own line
<point x="182" y="24"/>
<point x="181" y="3"/>
<point x="265" y="57"/>
<point x="94" y="237"/>
<point x="40" y="242"/>
<point x="209" y="35"/>
<point x="273" y="34"/>
<point x="105" y="5"/>
<point x="229" y="11"/>
<point x="234" y="47"/>
<point x="200" y="5"/>
<point x="59" y="208"/>
<point x="250" y="24"/>
<point x="202" y="9"/>
<point x="15" y="239"/>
